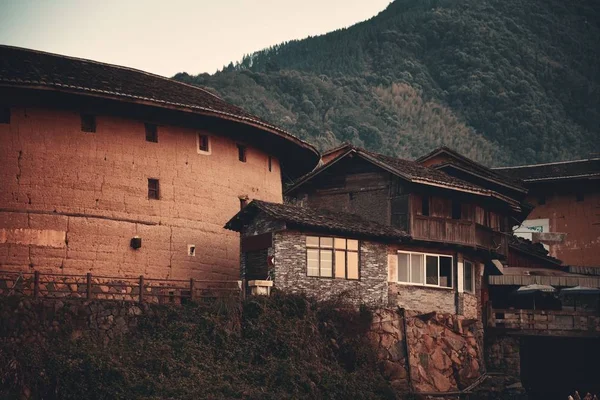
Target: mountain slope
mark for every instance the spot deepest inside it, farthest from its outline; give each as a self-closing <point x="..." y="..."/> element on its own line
<point x="503" y="82"/>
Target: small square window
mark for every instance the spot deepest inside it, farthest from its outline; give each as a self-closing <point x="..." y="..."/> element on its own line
<point x="203" y="143"/>
<point x="153" y="189"/>
<point x="4" y="115"/>
<point x="241" y="153"/>
<point x="88" y="123"/>
<point x="151" y="133"/>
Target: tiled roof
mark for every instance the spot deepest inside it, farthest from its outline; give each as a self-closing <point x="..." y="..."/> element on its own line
<point x="578" y="169"/>
<point x="474" y="167"/>
<point x="317" y="219"/>
<point x="39" y="70"/>
<point x="527" y="246"/>
<point x="411" y="171"/>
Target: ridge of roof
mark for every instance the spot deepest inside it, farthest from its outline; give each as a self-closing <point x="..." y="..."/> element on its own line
<point x="557" y="171"/>
<point x="319" y="219"/>
<point x="398" y="167"/>
<point x="480" y="168"/>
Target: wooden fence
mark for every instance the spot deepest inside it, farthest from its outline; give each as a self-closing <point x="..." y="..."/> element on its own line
<point x="141" y="289"/>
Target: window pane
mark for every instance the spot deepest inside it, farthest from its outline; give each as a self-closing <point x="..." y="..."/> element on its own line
<point x="340" y="243"/>
<point x="431" y="270"/>
<point x="312" y="262"/>
<point x="326" y="263"/>
<point x="352" y="265"/>
<point x="312" y="241"/>
<point x="416" y="268"/>
<point x="327" y="242"/>
<point x="352" y="244"/>
<point x="446" y="271"/>
<point x="403" y="261"/>
<point x="340" y="264"/>
<point x="468" y="276"/>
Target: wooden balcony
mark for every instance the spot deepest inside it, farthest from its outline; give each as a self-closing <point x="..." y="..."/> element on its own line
<point x="545" y="322"/>
<point x="459" y="232"/>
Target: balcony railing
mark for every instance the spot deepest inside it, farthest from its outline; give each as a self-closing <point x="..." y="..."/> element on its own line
<point x="549" y="322"/>
<point x="459" y="232"/>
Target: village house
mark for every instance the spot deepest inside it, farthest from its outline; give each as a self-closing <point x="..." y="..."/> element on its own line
<point x="566" y="196"/>
<point x="447" y="229"/>
<point x="118" y="172"/>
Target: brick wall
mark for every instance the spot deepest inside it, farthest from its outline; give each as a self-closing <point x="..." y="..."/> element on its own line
<point x="71" y="201"/>
<point x="423" y="299"/>
<point x="290" y="271"/>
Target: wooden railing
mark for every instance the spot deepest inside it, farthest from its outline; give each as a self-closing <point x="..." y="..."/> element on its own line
<point x="544" y="321"/>
<point x="458" y="231"/>
<point x="140" y="289"/>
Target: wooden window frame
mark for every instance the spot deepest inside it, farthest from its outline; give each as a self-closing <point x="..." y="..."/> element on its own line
<point x="472" y="267"/>
<point x="88" y="123"/>
<point x="424" y="270"/>
<point x="151" y="132"/>
<point x="152" y="190"/>
<point x="333" y="250"/>
<point x="200" y="137"/>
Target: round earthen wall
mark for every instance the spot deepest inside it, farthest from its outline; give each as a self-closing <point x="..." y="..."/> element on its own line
<point x="71" y="201"/>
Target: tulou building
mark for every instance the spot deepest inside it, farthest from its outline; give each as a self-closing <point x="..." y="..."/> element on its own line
<point x="116" y="171"/>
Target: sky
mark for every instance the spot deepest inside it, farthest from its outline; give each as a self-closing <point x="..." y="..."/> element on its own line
<point x="170" y="36"/>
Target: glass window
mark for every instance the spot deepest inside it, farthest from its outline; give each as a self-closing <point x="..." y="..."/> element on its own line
<point x="151" y="133"/>
<point x="403" y="262"/>
<point x="416" y="268"/>
<point x="203" y="143"/>
<point x="446" y="271"/>
<point x="332" y="257"/>
<point x="428" y="269"/>
<point x="431" y="270"/>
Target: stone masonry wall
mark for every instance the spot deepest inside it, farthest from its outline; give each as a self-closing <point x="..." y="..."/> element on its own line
<point x="503" y="354"/>
<point x="71" y="201"/>
<point x="424" y="299"/>
<point x="290" y="271"/>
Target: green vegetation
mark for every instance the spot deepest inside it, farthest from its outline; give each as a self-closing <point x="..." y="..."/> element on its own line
<point x="502" y="81"/>
<point x="265" y="348"/>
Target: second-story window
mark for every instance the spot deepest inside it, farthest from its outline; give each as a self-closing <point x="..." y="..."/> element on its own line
<point x="88" y="123"/>
<point x="425" y="269"/>
<point x="456" y="210"/>
<point x="425" y="206"/>
<point x="151" y="133"/>
<point x="241" y="152"/>
<point x="332" y="257"/>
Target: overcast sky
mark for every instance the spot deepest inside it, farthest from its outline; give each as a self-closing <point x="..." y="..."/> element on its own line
<point x="170" y="36"/>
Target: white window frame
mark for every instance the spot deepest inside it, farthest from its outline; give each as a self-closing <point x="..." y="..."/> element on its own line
<point x="206" y="153"/>
<point x="424" y="270"/>
<point x="473" y="270"/>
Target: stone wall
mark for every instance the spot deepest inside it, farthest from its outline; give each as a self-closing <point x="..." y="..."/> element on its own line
<point x="290" y="271"/>
<point x="26" y="320"/>
<point x="71" y="200"/>
<point x="503" y="354"/>
<point x="424" y="299"/>
<point x="427" y="353"/>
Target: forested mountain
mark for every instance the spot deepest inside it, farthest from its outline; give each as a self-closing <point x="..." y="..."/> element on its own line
<point x="502" y="81"/>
